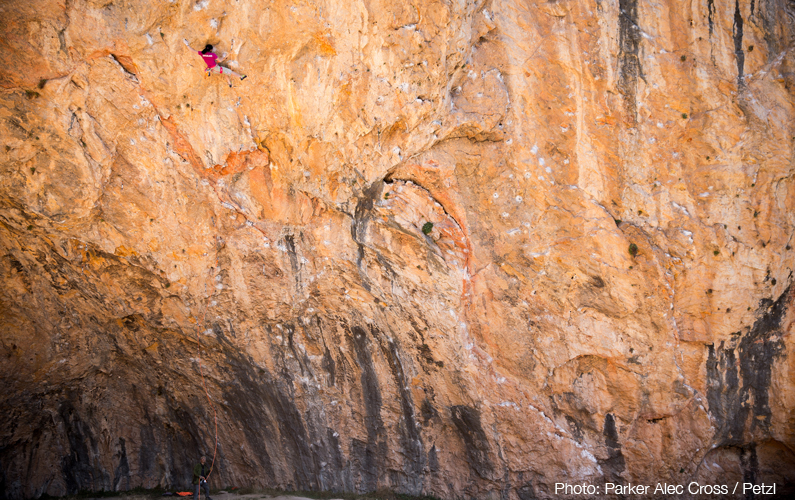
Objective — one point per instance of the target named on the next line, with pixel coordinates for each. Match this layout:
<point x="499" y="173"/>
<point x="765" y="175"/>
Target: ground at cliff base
<point x="253" y="494"/>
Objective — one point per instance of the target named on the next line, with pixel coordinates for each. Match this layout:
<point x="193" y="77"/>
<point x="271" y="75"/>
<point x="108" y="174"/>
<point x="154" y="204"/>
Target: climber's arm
<point x="188" y="45"/>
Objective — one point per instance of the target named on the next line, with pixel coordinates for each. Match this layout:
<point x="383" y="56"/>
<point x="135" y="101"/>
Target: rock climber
<point x="211" y="60"/>
<point x="200" y="480"/>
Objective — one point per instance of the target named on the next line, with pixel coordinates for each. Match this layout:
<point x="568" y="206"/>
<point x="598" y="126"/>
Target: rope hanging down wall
<point x="199" y="329"/>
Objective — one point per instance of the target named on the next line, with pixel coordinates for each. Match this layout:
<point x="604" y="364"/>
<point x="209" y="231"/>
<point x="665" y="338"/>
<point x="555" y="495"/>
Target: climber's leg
<point x="226" y="71"/>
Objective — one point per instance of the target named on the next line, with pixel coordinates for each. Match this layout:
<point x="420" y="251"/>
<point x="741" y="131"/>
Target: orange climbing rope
<point x="199" y="329"/>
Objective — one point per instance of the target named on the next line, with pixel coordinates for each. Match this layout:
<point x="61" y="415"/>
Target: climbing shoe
<point x="243" y="77"/>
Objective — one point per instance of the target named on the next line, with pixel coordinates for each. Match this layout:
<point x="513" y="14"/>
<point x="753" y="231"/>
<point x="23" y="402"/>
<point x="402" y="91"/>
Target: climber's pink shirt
<point x="209" y="59"/>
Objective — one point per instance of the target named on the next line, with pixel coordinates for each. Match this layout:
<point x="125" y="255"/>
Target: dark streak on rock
<point x="337" y="461"/>
<point x="574" y="428"/>
<point x="426" y="354"/>
<point x="614" y="464"/>
<point x="428" y="412"/>
<point x="411" y="440"/>
<point x="467" y="421"/>
<point x="147" y="454"/>
<point x="771" y="13"/>
<point x="80" y="472"/>
<point x="749" y="463"/>
<point x="597" y="282"/>
<point x="628" y="61"/>
<point x="737" y="32"/>
<point x="738" y="377"/>
<point x="260" y="407"/>
<point x="184" y="435"/>
<point x="433" y="460"/>
<point x="361" y="219"/>
<point x="300" y="357"/>
<point x="289" y="242"/>
<point x="370" y="454"/>
<point x="17" y="266"/>
<point x="526" y="492"/>
<point x="710" y="15"/>
<point x="363" y="208"/>
<point x="387" y="267"/>
<point x="723" y="390"/>
<point x="122" y="471"/>
<point x="62" y="41"/>
<point x="4" y="491"/>
<point x="329" y="366"/>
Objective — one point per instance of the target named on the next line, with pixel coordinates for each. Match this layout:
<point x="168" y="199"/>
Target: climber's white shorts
<point x="221" y="70"/>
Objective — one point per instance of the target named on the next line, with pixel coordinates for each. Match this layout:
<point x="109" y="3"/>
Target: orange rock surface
<point x="468" y="249"/>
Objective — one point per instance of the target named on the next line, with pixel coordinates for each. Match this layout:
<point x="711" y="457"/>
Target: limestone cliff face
<point x="514" y="342"/>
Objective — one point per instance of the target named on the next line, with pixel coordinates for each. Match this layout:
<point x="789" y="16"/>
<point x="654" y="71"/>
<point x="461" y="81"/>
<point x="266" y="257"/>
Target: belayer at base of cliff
<point x="200" y="474"/>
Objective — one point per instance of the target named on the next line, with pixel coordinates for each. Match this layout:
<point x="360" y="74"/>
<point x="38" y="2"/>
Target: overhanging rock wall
<point x="468" y="249"/>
